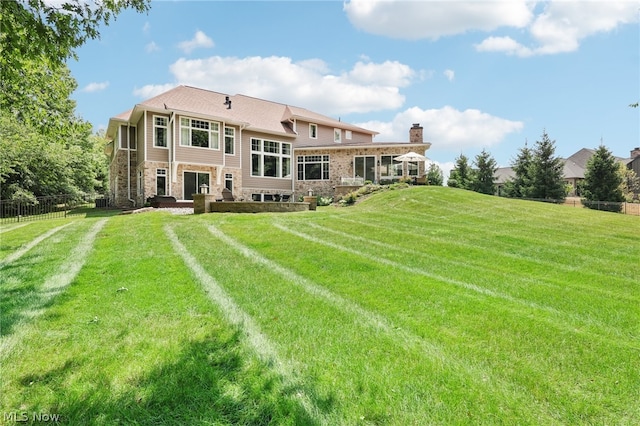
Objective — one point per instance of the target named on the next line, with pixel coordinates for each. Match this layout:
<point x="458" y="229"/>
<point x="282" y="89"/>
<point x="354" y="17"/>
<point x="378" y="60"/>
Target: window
<point x="228" y="181"/>
<point x="412" y="168"/>
<point x="270" y="158"/>
<point x="313" y="167"/>
<point x="160" y="131"/>
<point x="161" y="181"/>
<point x="313" y="131"/>
<point x="140" y="182"/>
<point x="389" y="168"/>
<point x="199" y="133"/>
<point x="337" y="135"/>
<point x="229" y="140"/>
<point x="192" y="182"/>
<point x="348" y="135"/>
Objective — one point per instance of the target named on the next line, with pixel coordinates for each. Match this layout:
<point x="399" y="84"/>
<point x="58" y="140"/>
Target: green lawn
<point x="425" y="305"/>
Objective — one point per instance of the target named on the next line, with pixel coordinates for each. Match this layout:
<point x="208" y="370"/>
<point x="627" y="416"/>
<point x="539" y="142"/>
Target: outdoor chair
<point x="227" y="195"/>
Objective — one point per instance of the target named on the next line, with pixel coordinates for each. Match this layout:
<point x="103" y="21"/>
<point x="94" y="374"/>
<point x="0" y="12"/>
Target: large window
<point x="313" y="167"/>
<point x="270" y="158"/>
<point x="199" y="133"/>
<point x="229" y="140"/>
<point x="160" y="131"/>
<point x="388" y="168"/>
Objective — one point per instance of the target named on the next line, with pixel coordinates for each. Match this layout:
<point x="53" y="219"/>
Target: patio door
<point x="192" y="182"/>
<point x="365" y="167"/>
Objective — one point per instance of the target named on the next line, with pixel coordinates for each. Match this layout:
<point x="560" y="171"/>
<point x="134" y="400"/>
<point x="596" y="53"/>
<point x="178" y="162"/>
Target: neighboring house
<point x="187" y="137"/>
<point x="573" y="170"/>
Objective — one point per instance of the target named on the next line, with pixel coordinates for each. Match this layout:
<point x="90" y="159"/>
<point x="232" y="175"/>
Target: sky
<point x="475" y="74"/>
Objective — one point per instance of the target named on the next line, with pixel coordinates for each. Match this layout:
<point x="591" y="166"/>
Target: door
<point x="365" y="167"/>
<point x="192" y="182"/>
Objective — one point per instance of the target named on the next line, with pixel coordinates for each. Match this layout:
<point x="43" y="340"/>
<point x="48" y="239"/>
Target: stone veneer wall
<point x="118" y="190"/>
<point x="175" y="188"/>
<point x="340" y="166"/>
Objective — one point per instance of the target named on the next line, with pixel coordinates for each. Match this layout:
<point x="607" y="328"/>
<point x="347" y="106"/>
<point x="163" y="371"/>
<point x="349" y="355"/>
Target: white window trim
<point x="166" y="127"/>
<point x="279" y="154"/>
<point x="313" y="134"/>
<point x="337" y="135"/>
<point x="212" y="124"/>
<point x="348" y="135"/>
<point x="230" y="136"/>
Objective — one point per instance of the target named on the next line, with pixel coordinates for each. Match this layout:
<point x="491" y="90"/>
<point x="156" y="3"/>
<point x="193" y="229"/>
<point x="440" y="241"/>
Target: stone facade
<point x="118" y="181"/>
<point x="341" y="166"/>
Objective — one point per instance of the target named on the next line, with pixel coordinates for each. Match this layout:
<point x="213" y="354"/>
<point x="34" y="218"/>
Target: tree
<point x="44" y="148"/>
<point x="435" y="175"/>
<point x="546" y="172"/>
<point x="630" y="183"/>
<point x="602" y="179"/>
<point x="50" y="31"/>
<point x="521" y="183"/>
<point x="461" y="175"/>
<point x="484" y="174"/>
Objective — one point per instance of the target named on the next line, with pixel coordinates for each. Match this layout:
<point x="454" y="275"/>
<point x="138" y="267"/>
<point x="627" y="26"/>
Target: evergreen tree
<point x="546" y="172"/>
<point x="434" y="175"/>
<point x="520" y="185"/>
<point x="483" y="177"/>
<point x="602" y="179"/>
<point x="461" y="175"/>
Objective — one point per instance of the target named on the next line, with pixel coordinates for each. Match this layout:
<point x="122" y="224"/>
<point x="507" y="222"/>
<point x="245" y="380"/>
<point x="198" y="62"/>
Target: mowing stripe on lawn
<point x="239" y="318"/>
<point x="538" y="281"/>
<point x="19" y="253"/>
<point x="55" y="284"/>
<point x="623" y="341"/>
<point x="11" y="228"/>
<point x="375" y="321"/>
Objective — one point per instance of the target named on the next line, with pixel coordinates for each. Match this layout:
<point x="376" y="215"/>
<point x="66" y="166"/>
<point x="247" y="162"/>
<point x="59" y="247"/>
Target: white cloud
<point x="447" y="128"/>
<point x="152" y="47"/>
<point x="434" y="19"/>
<point x="366" y="87"/>
<point x="151" y="90"/>
<point x="450" y="74"/>
<point x="549" y="27"/>
<point x="146" y="27"/>
<point x="95" y="87"/>
<point x="561" y="26"/>
<point x="199" y="40"/>
<point x="389" y="73"/>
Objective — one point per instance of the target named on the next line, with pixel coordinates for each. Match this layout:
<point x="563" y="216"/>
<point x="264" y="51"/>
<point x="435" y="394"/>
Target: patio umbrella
<point x="410" y="156"/>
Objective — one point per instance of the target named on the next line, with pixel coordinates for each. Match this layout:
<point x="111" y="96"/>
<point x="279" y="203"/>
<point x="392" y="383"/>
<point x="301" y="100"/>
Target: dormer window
<point x="313" y="131"/>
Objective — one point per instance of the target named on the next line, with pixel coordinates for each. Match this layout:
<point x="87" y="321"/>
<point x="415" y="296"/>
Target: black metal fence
<point x="48" y="207"/>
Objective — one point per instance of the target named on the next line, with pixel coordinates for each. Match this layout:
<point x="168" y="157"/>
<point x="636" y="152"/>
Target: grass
<point x="419" y="306"/>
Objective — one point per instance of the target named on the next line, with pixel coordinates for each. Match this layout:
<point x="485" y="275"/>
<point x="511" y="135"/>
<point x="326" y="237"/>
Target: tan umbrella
<point x="410" y="156"/>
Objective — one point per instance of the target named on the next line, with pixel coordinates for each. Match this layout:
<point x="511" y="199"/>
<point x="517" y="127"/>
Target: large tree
<point x="519" y="186"/>
<point x="462" y="174"/>
<point x="45" y="148"/>
<point x="602" y="179"/>
<point x="484" y="174"/>
<point x="52" y="30"/>
<point x="546" y="172"/>
<point x="434" y="175"/>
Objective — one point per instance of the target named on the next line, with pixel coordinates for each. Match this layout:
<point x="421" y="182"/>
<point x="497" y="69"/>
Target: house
<point x="573" y="169"/>
<point x="181" y="140"/>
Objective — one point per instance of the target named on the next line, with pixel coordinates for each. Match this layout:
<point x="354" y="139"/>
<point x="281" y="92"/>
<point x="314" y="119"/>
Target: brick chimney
<point x="415" y="134"/>
<point x="635" y="152"/>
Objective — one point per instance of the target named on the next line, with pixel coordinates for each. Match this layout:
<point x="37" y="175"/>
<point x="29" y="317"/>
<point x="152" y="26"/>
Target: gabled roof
<point x="248" y="112"/>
